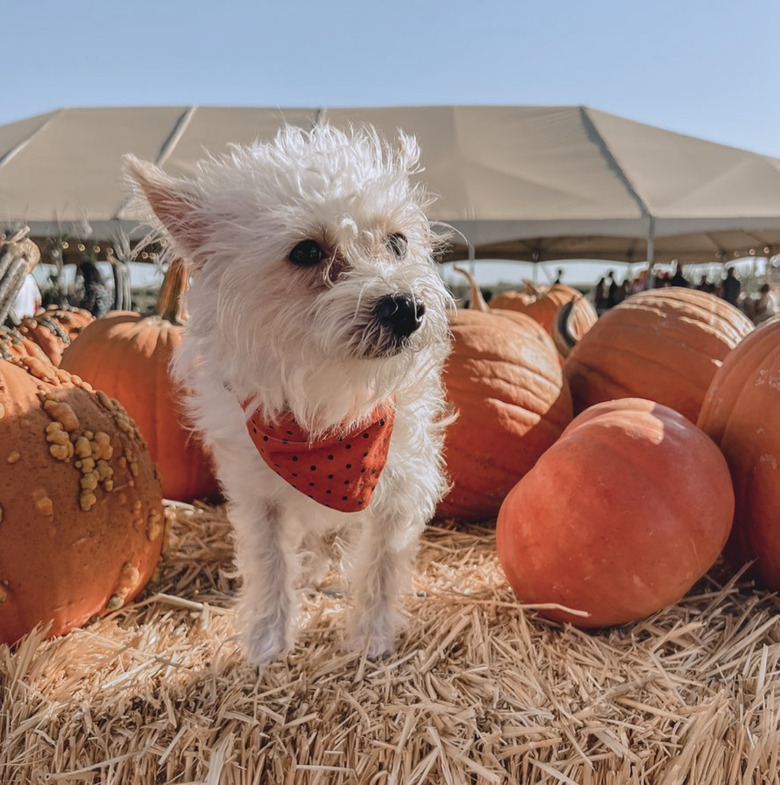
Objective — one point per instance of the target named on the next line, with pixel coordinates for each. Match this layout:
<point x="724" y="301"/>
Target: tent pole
<point x="651" y="252"/>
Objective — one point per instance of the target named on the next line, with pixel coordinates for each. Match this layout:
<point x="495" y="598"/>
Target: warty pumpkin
<point x="127" y="355"/>
<point x="619" y="518"/>
<point x="82" y="524"/>
<point x="55" y="328"/>
<point x="661" y="344"/>
<point x="504" y="381"/>
<point x="740" y="413"/>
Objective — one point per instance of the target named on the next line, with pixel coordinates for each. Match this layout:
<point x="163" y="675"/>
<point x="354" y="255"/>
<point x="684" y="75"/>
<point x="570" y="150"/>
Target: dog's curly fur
<point x="307" y="340"/>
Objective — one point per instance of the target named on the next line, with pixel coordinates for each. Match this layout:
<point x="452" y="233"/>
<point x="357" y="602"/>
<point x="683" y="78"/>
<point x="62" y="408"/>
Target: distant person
<point x="615" y="291"/>
<point x="600" y="296"/>
<point x="731" y="287"/>
<point x="558" y="276"/>
<point x="678" y="279"/>
<point x="766" y="305"/>
<point x="96" y="297"/>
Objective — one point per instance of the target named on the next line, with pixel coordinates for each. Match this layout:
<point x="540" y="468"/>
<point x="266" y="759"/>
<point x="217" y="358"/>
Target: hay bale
<point x="479" y="691"/>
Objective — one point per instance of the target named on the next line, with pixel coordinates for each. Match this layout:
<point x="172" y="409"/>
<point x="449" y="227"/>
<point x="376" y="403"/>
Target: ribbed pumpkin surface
<point x="504" y="380"/>
<point x="740" y="413"/>
<point x="662" y="344"/>
<point x="127" y="356"/>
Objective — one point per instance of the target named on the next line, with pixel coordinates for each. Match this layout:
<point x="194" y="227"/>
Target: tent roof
<point x="520" y="182"/>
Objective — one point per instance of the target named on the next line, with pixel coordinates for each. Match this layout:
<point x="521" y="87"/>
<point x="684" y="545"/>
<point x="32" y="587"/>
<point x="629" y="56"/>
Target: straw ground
<point x="480" y="690"/>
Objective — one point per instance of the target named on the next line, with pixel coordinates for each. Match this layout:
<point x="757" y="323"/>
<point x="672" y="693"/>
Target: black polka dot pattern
<point x="318" y="469"/>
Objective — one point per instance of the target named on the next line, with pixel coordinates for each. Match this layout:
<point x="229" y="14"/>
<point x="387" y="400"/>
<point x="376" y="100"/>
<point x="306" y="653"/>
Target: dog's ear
<point x="175" y="203"/>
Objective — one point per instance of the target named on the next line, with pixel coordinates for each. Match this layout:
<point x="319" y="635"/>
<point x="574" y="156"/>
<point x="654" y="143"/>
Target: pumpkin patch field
<point x="595" y="601"/>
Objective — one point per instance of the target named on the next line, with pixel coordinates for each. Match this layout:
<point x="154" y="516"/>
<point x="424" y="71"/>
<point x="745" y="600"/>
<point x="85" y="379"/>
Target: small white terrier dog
<point x="312" y="357"/>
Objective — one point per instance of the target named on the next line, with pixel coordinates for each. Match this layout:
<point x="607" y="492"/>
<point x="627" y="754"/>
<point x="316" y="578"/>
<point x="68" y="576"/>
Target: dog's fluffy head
<point x="313" y="286"/>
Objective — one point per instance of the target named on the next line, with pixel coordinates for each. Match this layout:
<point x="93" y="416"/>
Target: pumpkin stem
<point x="531" y="288"/>
<point x="170" y="302"/>
<point x="562" y="334"/>
<point x="476" y="301"/>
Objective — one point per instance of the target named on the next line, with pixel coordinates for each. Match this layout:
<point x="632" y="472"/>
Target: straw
<point x="479" y="690"/>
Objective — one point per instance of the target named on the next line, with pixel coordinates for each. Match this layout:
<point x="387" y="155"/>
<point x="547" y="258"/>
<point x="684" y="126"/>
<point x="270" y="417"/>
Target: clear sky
<point x="709" y="68"/>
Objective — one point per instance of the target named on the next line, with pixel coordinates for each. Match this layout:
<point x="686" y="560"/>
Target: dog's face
<point x="312" y="265"/>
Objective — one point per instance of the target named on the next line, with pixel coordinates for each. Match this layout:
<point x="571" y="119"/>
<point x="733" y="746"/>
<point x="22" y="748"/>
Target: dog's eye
<point x="397" y="244"/>
<point x="307" y="254"/>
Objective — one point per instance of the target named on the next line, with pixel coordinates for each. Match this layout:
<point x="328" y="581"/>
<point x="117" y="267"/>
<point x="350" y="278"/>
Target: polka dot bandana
<point x="340" y="470"/>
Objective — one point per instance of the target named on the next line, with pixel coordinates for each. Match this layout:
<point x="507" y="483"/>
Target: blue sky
<point x="708" y="68"/>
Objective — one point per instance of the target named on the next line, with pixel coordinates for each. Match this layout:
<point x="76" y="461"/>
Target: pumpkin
<point x="55" y="328"/>
<point x="504" y="381"/>
<point x="543" y="305"/>
<point x="14" y="345"/>
<point x="619" y="518"/>
<point x="661" y="344"/>
<point x="127" y="355"/>
<point x="740" y="413"/>
<point x="82" y="525"/>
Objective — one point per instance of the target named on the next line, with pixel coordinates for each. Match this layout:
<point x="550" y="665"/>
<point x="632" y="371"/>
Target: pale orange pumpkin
<point x="128" y="355"/>
<point x="661" y="344"/>
<point x="544" y="304"/>
<point x="619" y="518"/>
<point x="740" y="413"/>
<point x="82" y="524"/>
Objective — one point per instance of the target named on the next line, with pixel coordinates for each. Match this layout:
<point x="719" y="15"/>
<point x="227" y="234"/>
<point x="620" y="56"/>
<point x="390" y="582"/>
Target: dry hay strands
<point x="480" y="690"/>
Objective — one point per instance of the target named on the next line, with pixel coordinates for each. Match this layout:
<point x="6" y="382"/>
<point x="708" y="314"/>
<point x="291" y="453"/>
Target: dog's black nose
<point x="400" y="312"/>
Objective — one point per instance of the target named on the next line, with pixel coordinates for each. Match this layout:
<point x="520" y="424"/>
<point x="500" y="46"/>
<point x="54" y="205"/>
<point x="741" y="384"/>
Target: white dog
<point x="313" y="354"/>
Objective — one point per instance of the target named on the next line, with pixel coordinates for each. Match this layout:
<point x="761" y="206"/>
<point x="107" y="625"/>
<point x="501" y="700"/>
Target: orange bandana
<point x="339" y="470"/>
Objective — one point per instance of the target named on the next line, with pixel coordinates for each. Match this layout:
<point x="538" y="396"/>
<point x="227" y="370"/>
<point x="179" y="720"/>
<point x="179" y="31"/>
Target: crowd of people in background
<point x="608" y="292"/>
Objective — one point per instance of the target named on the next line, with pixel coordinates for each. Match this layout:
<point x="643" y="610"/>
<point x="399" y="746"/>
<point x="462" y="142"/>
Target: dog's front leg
<point x="380" y="562"/>
<point x="266" y="543"/>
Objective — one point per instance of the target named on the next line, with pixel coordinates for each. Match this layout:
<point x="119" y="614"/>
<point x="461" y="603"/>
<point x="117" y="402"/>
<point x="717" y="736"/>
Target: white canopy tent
<point x="518" y="182"/>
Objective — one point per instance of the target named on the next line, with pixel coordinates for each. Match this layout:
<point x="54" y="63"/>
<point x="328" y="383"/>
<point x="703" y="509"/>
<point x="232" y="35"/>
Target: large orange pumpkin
<point x="127" y="355"/>
<point x="619" y="518"/>
<point x="740" y="412"/>
<point x="82" y="524"/>
<point x="504" y="380"/>
<point x="662" y="344"/>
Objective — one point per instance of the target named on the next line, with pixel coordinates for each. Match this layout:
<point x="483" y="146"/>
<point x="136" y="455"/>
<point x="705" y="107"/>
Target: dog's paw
<point x="380" y="646"/>
<point x="265" y="642"/>
<point x="375" y="634"/>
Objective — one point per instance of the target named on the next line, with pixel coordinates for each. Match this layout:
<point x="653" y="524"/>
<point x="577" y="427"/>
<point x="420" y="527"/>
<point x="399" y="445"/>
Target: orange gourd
<point x="661" y="344"/>
<point x="82" y="525"/>
<point x="740" y="413"/>
<point x="14" y="345"/>
<point x="504" y="381"/>
<point x="619" y="518"/>
<point x="127" y="355"/>
<point x="55" y="328"/>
